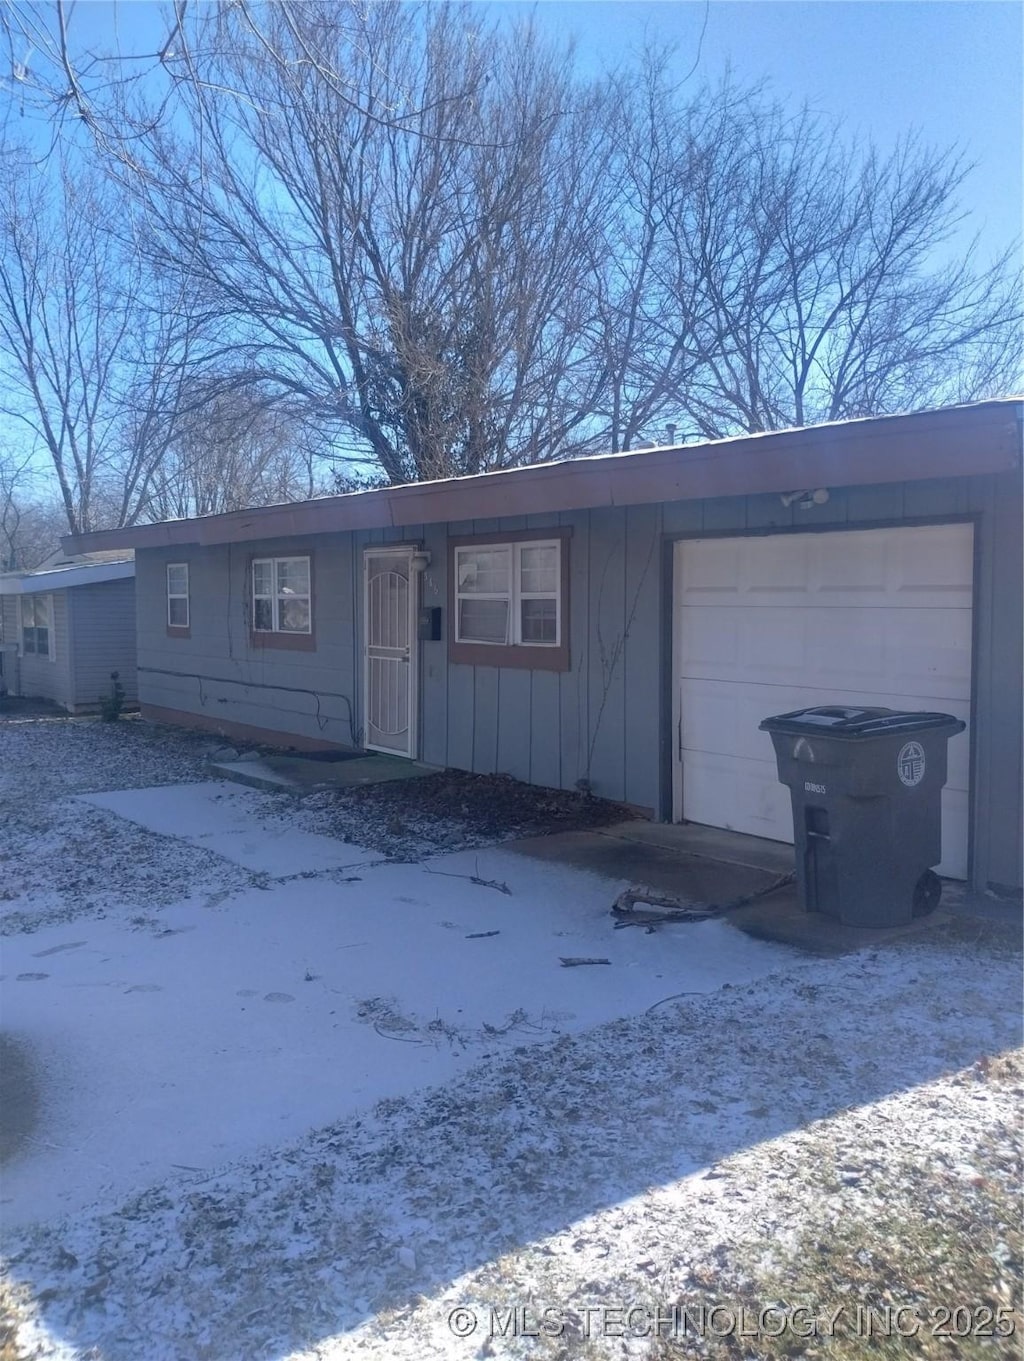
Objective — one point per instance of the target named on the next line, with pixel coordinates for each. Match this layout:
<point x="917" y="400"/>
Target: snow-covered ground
<point x="298" y="1100"/>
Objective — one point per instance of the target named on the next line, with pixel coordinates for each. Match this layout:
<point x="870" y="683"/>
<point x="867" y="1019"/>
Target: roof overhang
<point x="953" y="442"/>
<point x="63" y="578"/>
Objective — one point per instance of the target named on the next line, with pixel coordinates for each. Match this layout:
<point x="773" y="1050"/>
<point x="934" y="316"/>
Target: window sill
<point x="291" y="642"/>
<point x="519" y="656"/>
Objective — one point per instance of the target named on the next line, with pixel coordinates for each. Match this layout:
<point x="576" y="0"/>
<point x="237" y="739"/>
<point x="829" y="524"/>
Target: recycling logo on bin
<point x="910" y="764"/>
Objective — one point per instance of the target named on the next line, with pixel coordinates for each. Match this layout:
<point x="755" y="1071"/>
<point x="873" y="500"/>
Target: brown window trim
<point x="522" y="656"/>
<point x="269" y="638"/>
<point x="179" y="631"/>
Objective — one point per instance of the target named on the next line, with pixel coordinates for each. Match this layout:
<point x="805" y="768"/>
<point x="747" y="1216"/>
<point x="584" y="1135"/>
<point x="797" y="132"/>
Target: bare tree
<point x="778" y="276"/>
<point x="234" y="451"/>
<point x="411" y="266"/>
<point x="432" y="242"/>
<point x="93" y="348"/>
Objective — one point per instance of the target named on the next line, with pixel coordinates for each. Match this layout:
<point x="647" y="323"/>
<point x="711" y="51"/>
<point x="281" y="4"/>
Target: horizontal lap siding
<point x="102" y="624"/>
<point x="41" y="677"/>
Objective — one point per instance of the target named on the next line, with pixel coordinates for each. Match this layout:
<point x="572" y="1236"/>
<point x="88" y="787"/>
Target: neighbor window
<point x="509" y="594"/>
<point x="177" y="595"/>
<point x="281" y="601"/>
<point x="37" y="625"/>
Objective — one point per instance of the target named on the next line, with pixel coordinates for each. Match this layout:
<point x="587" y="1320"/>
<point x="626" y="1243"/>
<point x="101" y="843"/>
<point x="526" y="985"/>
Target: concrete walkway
<point x="705" y="865"/>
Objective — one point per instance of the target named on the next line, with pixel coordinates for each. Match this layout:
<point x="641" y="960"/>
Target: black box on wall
<point x="429" y="624"/>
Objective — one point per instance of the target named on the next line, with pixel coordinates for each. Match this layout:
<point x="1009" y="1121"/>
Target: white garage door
<point x="766" y="625"/>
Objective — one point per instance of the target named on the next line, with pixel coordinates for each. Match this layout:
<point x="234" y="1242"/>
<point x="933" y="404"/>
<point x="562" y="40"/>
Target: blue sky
<point x="953" y="69"/>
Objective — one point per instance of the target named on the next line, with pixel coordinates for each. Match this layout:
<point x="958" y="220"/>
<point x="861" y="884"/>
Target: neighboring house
<point x="622" y="623"/>
<point x="66" y="626"/>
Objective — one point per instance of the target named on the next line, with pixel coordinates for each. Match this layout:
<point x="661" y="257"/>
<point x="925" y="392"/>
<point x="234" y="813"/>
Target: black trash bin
<point x="866" y="786"/>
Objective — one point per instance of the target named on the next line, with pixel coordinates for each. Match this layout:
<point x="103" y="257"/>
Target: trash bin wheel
<point x="927" y="892"/>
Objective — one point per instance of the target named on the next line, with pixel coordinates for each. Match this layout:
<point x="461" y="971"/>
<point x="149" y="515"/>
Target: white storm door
<point x="389" y="676"/>
<point x="765" y="625"/>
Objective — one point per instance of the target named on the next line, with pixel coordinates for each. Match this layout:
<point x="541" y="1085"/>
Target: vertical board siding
<point x="998" y="812"/>
<point x="434" y="655"/>
<point x="103" y="637"/>
<point x="604" y="765"/>
<point x="546" y="765"/>
<point x="645" y="656"/>
<point x="603" y="719"/>
<point x="216" y="672"/>
<point x="515" y="724"/>
<point x="485" y="719"/>
<point x="568" y="707"/>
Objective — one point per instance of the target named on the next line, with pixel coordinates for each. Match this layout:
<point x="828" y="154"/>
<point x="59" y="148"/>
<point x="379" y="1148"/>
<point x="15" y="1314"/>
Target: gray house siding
<point x="605" y="720"/>
<point x="41" y="677"/>
<point x="102" y="629"/>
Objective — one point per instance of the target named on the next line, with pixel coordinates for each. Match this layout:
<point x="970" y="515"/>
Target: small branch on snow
<point x="474" y="879"/>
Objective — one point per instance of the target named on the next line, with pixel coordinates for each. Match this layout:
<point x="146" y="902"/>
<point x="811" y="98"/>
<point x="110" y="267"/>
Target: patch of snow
<point x="629" y="1164"/>
<point x="236" y="1021"/>
<point x="248" y="828"/>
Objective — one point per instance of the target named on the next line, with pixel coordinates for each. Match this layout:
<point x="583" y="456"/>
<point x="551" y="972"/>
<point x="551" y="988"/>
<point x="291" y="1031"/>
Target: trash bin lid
<point x="832" y="721"/>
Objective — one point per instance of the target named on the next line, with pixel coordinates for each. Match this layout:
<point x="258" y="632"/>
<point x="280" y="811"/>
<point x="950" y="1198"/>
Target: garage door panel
<point x="929" y="652"/>
<point x="935" y="562"/>
<point x="926" y="652"/>
<point x="882" y="618"/>
<point x="775" y="568"/>
<point x="724" y="718"/>
<point x="735" y="794"/>
<point x="954" y="834"/>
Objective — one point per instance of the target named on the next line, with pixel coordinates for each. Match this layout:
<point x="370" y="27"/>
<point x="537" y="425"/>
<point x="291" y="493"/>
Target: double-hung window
<point x="37" y="626"/>
<point x="281" y="597"/>
<point x="509" y="594"/>
<point x="177" y="595"/>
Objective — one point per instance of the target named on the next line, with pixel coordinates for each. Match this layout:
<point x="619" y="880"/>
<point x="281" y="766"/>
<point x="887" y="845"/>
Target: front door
<point x="389" y="652"/>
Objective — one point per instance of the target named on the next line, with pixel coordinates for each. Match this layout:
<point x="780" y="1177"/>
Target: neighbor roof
<point x="951" y="442"/>
<point x="61" y="571"/>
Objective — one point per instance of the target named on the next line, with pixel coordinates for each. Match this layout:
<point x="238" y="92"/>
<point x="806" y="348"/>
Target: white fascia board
<point x="61" y="578"/>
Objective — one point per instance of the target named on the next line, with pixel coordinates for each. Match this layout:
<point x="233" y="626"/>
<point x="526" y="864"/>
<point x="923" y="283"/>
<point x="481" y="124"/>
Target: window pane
<point x="177" y="580"/>
<point x="177" y="612"/>
<point x="539" y="621"/>
<point x="483" y="621"/>
<point x="263" y="615"/>
<point x="484" y="570"/>
<point x="28" y="640"/>
<point x="262" y="578"/>
<point x="293" y="576"/>
<point x="538" y="570"/>
<point x="43" y="642"/>
<point x="294" y="615"/>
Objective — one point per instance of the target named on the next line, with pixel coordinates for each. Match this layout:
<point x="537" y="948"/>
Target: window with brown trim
<point x="508" y="600"/>
<point x="281" y="602"/>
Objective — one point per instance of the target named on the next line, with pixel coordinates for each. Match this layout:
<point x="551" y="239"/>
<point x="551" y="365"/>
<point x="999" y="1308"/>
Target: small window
<point x="281" y="601"/>
<point x="177" y="595"/>
<point x="509" y="594"/>
<point x="37" y="626"/>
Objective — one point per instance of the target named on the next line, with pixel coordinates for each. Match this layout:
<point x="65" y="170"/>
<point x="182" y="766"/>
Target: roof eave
<point x="953" y="442"/>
